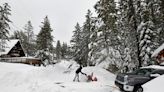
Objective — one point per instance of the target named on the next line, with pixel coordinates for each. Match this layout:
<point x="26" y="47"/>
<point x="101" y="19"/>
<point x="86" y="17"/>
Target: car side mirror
<point x="154" y="75"/>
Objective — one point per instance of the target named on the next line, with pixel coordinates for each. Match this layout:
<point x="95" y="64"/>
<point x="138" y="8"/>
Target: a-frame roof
<point x="7" y="45"/>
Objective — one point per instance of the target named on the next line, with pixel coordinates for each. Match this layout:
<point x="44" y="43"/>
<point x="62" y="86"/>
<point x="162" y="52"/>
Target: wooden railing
<point x="13" y="60"/>
<point x="24" y="60"/>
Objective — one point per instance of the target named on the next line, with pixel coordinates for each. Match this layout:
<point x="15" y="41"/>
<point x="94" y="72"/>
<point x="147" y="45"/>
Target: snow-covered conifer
<point x="45" y="39"/>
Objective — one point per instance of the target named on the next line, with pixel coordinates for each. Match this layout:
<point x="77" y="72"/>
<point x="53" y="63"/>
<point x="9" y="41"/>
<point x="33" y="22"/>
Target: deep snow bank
<point x="57" y="78"/>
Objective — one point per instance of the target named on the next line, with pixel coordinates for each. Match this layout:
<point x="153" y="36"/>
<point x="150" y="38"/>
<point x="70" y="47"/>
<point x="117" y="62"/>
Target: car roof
<point x="154" y="67"/>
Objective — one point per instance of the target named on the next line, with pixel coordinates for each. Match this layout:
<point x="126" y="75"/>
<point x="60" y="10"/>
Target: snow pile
<point x="57" y="78"/>
<point x="155" y="85"/>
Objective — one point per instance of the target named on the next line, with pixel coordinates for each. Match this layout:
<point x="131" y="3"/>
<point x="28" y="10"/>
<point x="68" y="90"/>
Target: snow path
<point x="57" y="78"/>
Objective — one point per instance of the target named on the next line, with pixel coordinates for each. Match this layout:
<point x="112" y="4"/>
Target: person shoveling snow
<point x="77" y="74"/>
<point x="89" y="77"/>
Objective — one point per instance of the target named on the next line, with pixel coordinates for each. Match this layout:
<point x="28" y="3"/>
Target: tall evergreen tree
<point x="133" y="23"/>
<point x="82" y="39"/>
<point x="159" y="17"/>
<point x="76" y="42"/>
<point x="4" y="20"/>
<point x="45" y="39"/>
<point x="108" y="38"/>
<point x="94" y="45"/>
<point x="106" y="10"/>
<point x="64" y="51"/>
<point x="29" y="31"/>
<point x="147" y="33"/>
<point x="86" y="33"/>
<point x="58" y="50"/>
<point x="30" y="46"/>
<point x="123" y="36"/>
<point x="23" y="38"/>
<point x="4" y="24"/>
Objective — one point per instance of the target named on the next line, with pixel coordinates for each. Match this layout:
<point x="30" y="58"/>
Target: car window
<point x="158" y="72"/>
<point x="144" y="71"/>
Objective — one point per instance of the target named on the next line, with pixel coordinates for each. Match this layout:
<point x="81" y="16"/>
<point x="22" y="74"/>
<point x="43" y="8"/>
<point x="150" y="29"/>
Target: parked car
<point x="131" y="82"/>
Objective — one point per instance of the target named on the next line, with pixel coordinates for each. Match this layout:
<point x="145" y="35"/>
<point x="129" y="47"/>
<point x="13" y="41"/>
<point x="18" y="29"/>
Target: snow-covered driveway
<point x="57" y="78"/>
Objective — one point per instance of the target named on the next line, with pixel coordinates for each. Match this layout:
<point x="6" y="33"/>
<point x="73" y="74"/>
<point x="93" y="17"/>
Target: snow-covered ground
<point x="56" y="78"/>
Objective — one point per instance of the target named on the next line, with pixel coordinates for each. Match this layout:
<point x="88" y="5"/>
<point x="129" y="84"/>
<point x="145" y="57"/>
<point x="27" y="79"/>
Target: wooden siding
<point x="16" y="51"/>
<point x="160" y="57"/>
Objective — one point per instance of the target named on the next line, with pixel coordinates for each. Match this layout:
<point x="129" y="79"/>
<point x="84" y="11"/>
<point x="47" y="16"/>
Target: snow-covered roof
<point x="8" y="45"/>
<point x="156" y="52"/>
<point x="155" y="67"/>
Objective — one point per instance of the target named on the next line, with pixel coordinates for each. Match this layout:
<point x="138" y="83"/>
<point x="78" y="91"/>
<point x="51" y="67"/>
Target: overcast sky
<point x="63" y="14"/>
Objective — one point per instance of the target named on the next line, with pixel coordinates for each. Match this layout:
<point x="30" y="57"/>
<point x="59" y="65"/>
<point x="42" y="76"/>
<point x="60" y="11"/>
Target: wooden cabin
<point x="11" y="48"/>
<point x="13" y="52"/>
<point x="159" y="54"/>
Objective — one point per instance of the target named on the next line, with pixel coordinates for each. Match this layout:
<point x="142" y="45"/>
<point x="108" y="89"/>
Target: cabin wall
<point x="160" y="57"/>
<point x="16" y="51"/>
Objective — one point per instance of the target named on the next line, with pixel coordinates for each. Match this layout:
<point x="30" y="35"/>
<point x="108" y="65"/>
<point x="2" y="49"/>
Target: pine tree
<point x="94" y="45"/>
<point x="23" y="38"/>
<point x="108" y="38"/>
<point x="30" y="46"/>
<point x="4" y="21"/>
<point x="4" y="24"/>
<point x="29" y="31"/>
<point x="86" y="33"/>
<point x="44" y="40"/>
<point x="147" y="33"/>
<point x="58" y="50"/>
<point x="82" y="39"/>
<point x="133" y="22"/>
<point x="159" y="17"/>
<point x="134" y="29"/>
<point x="76" y="42"/>
<point x="123" y="36"/>
<point x="64" y="51"/>
<point x="137" y="18"/>
<point x="106" y="10"/>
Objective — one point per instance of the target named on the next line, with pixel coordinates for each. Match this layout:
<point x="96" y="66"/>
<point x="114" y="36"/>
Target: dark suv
<point x="131" y="82"/>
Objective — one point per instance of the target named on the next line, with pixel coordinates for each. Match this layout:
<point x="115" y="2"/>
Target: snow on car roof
<point x="155" y="67"/>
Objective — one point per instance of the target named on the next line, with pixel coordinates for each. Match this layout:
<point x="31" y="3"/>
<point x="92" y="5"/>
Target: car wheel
<point x="138" y="89"/>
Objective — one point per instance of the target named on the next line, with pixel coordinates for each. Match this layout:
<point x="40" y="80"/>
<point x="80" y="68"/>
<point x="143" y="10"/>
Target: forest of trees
<point x="123" y="34"/>
<point x="37" y="45"/>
